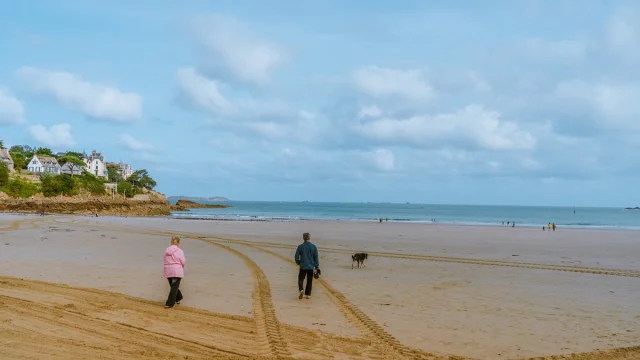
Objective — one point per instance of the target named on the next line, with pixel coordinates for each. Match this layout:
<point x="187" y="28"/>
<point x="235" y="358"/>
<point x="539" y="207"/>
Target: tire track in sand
<point x="267" y="325"/>
<point x="460" y="260"/>
<point x="388" y="344"/>
<point x="617" y="354"/>
<point x="434" y="258"/>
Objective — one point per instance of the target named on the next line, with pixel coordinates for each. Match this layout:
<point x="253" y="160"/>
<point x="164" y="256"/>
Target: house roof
<point x="46" y="160"/>
<point x="67" y="166"/>
<point x="4" y="155"/>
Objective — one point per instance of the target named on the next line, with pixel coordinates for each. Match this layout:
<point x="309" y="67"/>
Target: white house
<point x="95" y="164"/>
<point x="125" y="170"/>
<point x="44" y="164"/>
<point x="71" y="169"/>
<point x="6" y="157"/>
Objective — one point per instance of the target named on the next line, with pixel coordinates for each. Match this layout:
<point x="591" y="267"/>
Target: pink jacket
<point x="174" y="261"/>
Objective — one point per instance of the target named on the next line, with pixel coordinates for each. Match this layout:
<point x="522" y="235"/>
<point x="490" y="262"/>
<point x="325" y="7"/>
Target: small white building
<point x="6" y="157"/>
<point x="71" y="169"/>
<point x="44" y="164"/>
<point x="125" y="170"/>
<point x="95" y="164"/>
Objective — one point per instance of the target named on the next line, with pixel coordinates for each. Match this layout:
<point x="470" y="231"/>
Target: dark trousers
<point x="174" y="294"/>
<point x="309" y="275"/>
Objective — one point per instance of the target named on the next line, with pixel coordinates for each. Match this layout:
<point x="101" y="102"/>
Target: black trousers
<point x="309" y="275"/>
<point x="174" y="294"/>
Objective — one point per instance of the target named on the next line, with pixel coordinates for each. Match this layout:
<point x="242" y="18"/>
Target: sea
<point x="580" y="217"/>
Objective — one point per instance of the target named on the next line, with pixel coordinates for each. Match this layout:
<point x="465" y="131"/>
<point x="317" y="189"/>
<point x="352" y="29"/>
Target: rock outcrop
<point x="155" y="207"/>
<point x="188" y="204"/>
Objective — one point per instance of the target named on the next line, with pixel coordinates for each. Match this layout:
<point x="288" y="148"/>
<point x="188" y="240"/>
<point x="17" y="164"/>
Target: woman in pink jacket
<point x="174" y="261"/>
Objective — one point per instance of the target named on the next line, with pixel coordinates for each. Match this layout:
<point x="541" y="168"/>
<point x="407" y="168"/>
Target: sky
<point x="467" y="102"/>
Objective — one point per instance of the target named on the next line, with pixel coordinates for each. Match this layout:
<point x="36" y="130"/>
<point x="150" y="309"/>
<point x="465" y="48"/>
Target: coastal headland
<point x="86" y="287"/>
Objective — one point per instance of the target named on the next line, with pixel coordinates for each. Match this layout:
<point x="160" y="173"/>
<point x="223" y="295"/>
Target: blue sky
<point x="466" y="102"/>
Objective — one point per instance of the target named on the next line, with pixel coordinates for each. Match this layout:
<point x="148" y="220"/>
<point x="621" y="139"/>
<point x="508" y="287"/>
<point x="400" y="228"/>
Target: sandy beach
<point x="75" y="287"/>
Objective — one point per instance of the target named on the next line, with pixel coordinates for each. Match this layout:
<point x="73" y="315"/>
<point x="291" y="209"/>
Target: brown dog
<point x="359" y="258"/>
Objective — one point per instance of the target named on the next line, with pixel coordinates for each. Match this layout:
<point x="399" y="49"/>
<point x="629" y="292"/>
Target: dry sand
<point x="428" y="291"/>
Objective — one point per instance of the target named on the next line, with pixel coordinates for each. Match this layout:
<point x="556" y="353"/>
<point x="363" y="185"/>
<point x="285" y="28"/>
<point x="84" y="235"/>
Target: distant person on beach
<point x="308" y="260"/>
<point x="513" y="224"/>
<point x="553" y="225"/>
<point x="174" y="261"/>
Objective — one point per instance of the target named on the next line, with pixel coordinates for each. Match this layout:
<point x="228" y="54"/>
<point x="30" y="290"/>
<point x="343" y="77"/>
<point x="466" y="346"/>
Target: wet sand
<point x="428" y="291"/>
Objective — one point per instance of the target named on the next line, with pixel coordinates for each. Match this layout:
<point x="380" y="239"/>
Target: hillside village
<point x="38" y="171"/>
<point x="94" y="164"/>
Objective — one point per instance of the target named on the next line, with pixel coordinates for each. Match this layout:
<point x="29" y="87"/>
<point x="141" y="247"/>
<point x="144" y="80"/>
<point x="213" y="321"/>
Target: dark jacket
<point x="307" y="256"/>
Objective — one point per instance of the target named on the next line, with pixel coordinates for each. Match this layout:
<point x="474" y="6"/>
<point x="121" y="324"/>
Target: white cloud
<point x="616" y="104"/>
<point x="131" y="143"/>
<point x="480" y="84"/>
<point x="622" y="29"/>
<point x="264" y="116"/>
<point x="473" y="124"/>
<point x="289" y="153"/>
<point x="95" y="100"/>
<point x="369" y="111"/>
<point x="237" y="49"/>
<point x="202" y="92"/>
<point x="382" y="82"/>
<point x="56" y="135"/>
<point x="384" y="159"/>
<point x="11" y="109"/>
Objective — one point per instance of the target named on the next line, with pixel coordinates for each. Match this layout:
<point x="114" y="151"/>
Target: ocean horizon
<point x="529" y="216"/>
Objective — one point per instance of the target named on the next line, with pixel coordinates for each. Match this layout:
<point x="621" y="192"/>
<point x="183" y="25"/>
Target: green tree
<point x="25" y="149"/>
<point x="54" y="185"/>
<point x="4" y="173"/>
<point x="141" y="178"/>
<point x="44" y="152"/>
<point x="91" y="183"/>
<point x="19" y="162"/>
<point x="1" y="144"/>
<point x="74" y="153"/>
<point x="72" y="162"/>
<point x="126" y="188"/>
<point x="113" y="172"/>
<point x="22" y="152"/>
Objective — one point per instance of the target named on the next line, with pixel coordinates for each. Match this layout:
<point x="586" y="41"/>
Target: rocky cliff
<point x="101" y="206"/>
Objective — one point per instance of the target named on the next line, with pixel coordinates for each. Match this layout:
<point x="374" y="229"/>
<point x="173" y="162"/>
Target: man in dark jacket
<point x="307" y="259"/>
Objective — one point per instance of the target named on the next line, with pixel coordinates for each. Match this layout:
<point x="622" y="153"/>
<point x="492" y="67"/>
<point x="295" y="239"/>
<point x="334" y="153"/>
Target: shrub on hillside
<point x="4" y="173"/>
<point x="125" y="188"/>
<point x="20" y="189"/>
<point x="54" y="185"/>
<point x="90" y="183"/>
